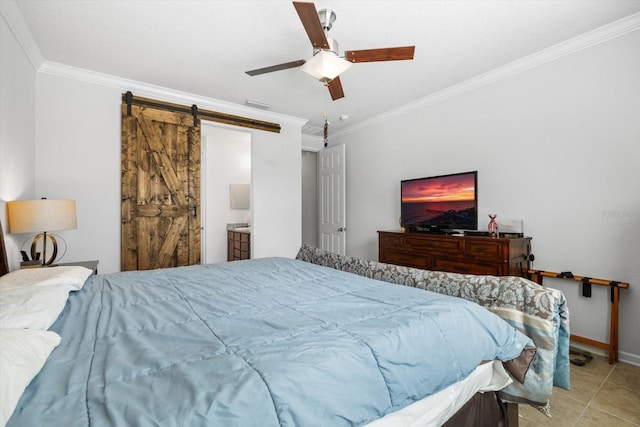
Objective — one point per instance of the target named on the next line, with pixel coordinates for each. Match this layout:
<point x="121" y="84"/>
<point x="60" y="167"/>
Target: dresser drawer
<point x="466" y="267"/>
<point x="451" y="246"/>
<point x="391" y="240"/>
<point x="485" y="249"/>
<point x="404" y="258"/>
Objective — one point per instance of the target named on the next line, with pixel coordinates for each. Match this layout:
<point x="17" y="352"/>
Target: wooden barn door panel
<point x="160" y="189"/>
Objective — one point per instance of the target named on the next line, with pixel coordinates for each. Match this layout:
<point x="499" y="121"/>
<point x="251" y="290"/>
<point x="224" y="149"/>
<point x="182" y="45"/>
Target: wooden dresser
<point x="238" y="245"/>
<point x="458" y="254"/>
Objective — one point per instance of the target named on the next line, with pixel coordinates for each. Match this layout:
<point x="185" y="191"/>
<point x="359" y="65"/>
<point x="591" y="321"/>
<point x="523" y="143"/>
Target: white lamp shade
<point x="325" y="66"/>
<point x="36" y="216"/>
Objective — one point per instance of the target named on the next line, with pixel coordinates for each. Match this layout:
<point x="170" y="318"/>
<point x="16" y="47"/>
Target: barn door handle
<point x="195" y="211"/>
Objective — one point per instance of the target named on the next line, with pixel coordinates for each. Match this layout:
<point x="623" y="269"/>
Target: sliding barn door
<point x="160" y="188"/>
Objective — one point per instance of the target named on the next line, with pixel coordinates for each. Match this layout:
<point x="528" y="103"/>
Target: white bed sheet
<point x="435" y="410"/>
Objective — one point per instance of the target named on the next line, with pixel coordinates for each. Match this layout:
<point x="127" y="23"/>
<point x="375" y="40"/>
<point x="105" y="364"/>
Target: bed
<point x="276" y="341"/>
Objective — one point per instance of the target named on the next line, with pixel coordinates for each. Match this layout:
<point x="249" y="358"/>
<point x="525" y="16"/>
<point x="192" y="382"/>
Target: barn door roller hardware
<point x="198" y="113"/>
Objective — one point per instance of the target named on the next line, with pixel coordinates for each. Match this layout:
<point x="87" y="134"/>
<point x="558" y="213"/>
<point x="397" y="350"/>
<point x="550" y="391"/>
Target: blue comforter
<point x="255" y="343"/>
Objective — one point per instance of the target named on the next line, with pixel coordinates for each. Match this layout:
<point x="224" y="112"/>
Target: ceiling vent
<point x="257" y="104"/>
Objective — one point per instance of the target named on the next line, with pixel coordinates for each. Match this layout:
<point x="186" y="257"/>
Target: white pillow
<point x="43" y="276"/>
<point x="22" y="354"/>
<point x="32" y="307"/>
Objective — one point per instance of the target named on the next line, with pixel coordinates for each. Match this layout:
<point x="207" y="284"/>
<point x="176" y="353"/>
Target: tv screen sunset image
<point x="447" y="201"/>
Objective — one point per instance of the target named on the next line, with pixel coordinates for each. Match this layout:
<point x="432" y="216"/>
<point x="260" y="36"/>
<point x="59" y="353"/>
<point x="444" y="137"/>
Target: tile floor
<point x="601" y="395"/>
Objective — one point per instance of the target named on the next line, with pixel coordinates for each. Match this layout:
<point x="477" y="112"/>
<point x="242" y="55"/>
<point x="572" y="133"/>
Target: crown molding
<point x="599" y="35"/>
<point x="15" y="21"/>
<point x="17" y="25"/>
<point x="166" y="94"/>
<point x="12" y="15"/>
<point x="312" y="142"/>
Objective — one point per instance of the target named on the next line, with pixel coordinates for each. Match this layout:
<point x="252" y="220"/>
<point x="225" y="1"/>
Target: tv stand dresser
<point x="501" y="256"/>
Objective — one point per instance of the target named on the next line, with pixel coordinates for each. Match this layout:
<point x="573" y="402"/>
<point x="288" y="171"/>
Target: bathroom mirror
<point x="239" y="195"/>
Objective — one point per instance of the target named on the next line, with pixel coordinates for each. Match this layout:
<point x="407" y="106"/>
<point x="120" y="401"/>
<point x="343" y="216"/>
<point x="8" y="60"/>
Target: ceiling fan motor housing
<point x="327" y="18"/>
<point x="333" y="47"/>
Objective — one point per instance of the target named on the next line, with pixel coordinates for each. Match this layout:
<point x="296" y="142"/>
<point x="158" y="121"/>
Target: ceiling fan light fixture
<point x="325" y="66"/>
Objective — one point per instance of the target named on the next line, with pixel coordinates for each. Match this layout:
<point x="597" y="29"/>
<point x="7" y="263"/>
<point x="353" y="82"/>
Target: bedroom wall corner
<point x="17" y="132"/>
<point x="276" y="162"/>
<point x="556" y="145"/>
<point x="78" y="156"/>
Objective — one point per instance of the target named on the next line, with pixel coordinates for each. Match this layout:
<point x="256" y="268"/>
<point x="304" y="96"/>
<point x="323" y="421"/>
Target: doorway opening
<point x="310" y="198"/>
<point x="226" y="162"/>
<point x="324" y="199"/>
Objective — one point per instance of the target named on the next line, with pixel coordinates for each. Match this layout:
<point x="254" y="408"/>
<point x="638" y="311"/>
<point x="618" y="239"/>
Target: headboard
<point x="4" y="265"/>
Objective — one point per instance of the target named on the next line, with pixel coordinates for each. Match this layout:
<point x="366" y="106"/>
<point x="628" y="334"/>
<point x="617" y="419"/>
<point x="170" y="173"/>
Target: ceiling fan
<point x="326" y="64"/>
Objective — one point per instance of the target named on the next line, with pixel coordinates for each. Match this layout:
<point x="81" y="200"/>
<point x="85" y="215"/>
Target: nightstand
<point x="91" y="265"/>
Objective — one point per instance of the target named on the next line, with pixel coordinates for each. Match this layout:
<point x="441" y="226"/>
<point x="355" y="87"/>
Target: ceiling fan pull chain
<point x="326" y="130"/>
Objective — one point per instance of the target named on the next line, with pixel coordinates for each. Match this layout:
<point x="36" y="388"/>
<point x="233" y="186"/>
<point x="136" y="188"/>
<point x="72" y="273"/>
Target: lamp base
<point x="48" y="248"/>
<point x="36" y="264"/>
<point x="31" y="264"/>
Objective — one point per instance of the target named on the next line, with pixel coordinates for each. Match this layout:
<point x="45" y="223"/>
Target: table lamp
<point x="42" y="216"/>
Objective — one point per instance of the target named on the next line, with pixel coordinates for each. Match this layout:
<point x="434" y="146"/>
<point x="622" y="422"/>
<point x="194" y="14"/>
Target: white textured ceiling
<point x="205" y="46"/>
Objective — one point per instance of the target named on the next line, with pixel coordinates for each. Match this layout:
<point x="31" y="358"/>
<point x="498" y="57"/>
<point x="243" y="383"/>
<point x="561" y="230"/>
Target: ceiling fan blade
<point x="384" y="54"/>
<point x="278" y="67"/>
<point x="335" y="88"/>
<point x="311" y="22"/>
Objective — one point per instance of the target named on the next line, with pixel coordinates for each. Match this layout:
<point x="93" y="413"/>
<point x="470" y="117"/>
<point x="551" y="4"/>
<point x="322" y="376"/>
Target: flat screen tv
<point x="440" y="203"/>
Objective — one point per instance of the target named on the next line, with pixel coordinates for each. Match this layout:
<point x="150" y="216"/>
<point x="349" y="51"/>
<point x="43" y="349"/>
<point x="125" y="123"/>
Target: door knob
<point x="342" y="229"/>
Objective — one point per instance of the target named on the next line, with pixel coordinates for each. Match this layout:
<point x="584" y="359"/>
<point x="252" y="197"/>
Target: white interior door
<point x="332" y="210"/>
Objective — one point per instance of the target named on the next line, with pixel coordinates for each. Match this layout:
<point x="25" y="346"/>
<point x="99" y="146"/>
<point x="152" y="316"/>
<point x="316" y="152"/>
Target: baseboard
<point x="632" y="359"/>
